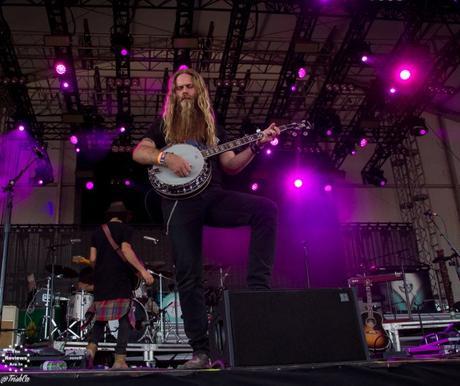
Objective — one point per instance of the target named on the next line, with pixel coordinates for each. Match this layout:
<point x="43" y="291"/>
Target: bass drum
<point x="141" y="326"/>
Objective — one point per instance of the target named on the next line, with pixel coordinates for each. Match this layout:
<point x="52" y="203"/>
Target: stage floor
<point x="443" y="372"/>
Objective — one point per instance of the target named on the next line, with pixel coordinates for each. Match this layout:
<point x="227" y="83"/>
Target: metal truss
<point x="183" y="28"/>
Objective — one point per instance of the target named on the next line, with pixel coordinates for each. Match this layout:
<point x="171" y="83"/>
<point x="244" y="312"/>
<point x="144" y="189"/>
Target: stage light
<point x="301" y="72"/>
<point x="127" y="182"/>
<point x="268" y="152"/>
<point x="65" y="85"/>
<point x="40" y="182"/>
<point x="328" y="132"/>
<point x="183" y="67"/>
<point x="21" y="127"/>
<point x="122" y="129"/>
<point x="364" y="58"/>
<point x="89" y="185"/>
<point x="374" y="177"/>
<point x="293" y="88"/>
<point x="328" y="188"/>
<point x="274" y="142"/>
<point x="392" y="90"/>
<point x="298" y="183"/>
<point x="405" y="74"/>
<point x="417" y="127"/>
<point x="77" y="150"/>
<point x="124" y="51"/>
<point x="73" y="139"/>
<point x="353" y="151"/>
<point x="363" y="142"/>
<point x="60" y="68"/>
<point x="254" y="186"/>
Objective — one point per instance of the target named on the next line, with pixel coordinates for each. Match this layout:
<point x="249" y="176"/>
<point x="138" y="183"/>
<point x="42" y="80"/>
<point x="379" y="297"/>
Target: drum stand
<point x="48" y="323"/>
<point x="176" y="324"/>
<point x="80" y="321"/>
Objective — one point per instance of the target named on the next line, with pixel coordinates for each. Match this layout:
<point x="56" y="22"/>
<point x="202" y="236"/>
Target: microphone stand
<point x="9" y="189"/>
<point x="307" y="270"/>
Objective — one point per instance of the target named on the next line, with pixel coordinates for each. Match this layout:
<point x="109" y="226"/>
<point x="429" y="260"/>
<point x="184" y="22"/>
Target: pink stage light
<point x="21" y="127"/>
<point x="329" y="132"/>
<point x="328" y="188"/>
<point x="122" y="129"/>
<point x="405" y="74"/>
<point x="364" y="58"/>
<point x="127" y="182"/>
<point x="298" y="183"/>
<point x="353" y="152"/>
<point x="73" y="139"/>
<point x="363" y="142"/>
<point x="392" y="90"/>
<point x="89" y="185"/>
<point x="60" y="68"/>
<point x="40" y="182"/>
<point x="268" y="151"/>
<point x="301" y="72"/>
<point x="183" y="67"/>
<point x="254" y="186"/>
<point x="65" y="84"/>
<point x="293" y="88"/>
<point x="77" y="149"/>
<point x="124" y="52"/>
<point x="422" y="131"/>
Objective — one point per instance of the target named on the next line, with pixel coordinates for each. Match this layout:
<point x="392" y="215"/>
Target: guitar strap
<point x="112" y="242"/>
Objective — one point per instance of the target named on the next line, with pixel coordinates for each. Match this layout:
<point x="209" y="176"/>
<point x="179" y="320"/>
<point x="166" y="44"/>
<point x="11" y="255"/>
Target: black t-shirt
<point x="156" y="133"/>
<point x="112" y="276"/>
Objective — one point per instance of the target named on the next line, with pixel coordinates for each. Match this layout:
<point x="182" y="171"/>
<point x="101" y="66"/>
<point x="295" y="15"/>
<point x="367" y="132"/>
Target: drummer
<point x="86" y="280"/>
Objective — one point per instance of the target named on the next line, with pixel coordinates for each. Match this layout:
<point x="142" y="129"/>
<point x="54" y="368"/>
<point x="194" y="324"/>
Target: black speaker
<point x="280" y="327"/>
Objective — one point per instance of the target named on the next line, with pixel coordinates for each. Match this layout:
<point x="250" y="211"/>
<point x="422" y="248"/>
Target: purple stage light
<point x="405" y="74"/>
<point x="122" y="129"/>
<point x="392" y="90"/>
<point x="21" y="127"/>
<point x="274" y="142"/>
<point x="298" y="183"/>
<point x="40" y="182"/>
<point x="183" y="67"/>
<point x="65" y="84"/>
<point x="329" y="132"/>
<point x="127" y="182"/>
<point x="353" y="152"/>
<point x="293" y="88"/>
<point x="364" y="58"/>
<point x="363" y="142"/>
<point x="60" y="68"/>
<point x="268" y="151"/>
<point x="382" y="182"/>
<point x="89" y="185"/>
<point x="301" y="72"/>
<point x="422" y="131"/>
<point x="328" y="188"/>
<point x="254" y="186"/>
<point x="77" y="149"/>
<point x="73" y="139"/>
<point x="124" y="52"/>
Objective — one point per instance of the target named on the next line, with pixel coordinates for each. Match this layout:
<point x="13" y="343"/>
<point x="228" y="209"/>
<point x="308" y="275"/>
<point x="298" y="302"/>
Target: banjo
<point x="169" y="185"/>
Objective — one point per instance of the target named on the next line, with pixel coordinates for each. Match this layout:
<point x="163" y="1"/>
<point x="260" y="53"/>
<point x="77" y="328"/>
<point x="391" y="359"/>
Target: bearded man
<point x="188" y="118"/>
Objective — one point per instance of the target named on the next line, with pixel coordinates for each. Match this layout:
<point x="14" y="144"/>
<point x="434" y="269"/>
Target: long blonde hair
<point x="204" y="105"/>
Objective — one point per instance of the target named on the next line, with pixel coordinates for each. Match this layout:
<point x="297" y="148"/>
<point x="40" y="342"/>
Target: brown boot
<point x="120" y="362"/>
<point x="90" y="353"/>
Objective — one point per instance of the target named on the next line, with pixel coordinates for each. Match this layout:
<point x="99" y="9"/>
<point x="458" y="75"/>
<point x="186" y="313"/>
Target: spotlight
<point x="60" y="68"/>
<point x="298" y="183"/>
<point x="122" y="129"/>
<point x="89" y="185"/>
<point x="328" y="188"/>
<point x="40" y="181"/>
<point x="293" y="88"/>
<point x="363" y="142"/>
<point x="183" y="67"/>
<point x="127" y="182"/>
<point x="301" y="72"/>
<point x="392" y="90"/>
<point x="417" y="127"/>
<point x="73" y="139"/>
<point x="374" y="177"/>
<point x="274" y="142"/>
<point x="268" y="152"/>
<point x="364" y="58"/>
<point x="405" y="74"/>
<point x="254" y="186"/>
<point x="77" y="150"/>
<point x="124" y="51"/>
<point x="21" y="127"/>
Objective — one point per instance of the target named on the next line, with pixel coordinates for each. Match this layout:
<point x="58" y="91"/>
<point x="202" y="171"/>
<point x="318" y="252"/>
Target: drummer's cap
<point x="118" y="209"/>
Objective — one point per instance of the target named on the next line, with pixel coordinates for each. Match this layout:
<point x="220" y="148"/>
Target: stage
<point x="427" y="372"/>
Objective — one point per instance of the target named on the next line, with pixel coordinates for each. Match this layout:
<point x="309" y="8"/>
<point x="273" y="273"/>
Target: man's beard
<point x="189" y="119"/>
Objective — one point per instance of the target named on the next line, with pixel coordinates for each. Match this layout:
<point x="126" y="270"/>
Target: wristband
<point x="159" y="156"/>
<point x="162" y="158"/>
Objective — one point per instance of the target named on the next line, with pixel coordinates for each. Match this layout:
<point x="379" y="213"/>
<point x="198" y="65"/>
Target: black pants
<point x="217" y="207"/>
<point x="124" y="328"/>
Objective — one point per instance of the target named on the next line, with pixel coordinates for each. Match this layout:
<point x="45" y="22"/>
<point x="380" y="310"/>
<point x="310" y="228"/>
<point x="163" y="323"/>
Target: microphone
<point x="153" y="239"/>
<point x="75" y="241"/>
<point x="38" y="151"/>
<point x="430" y="213"/>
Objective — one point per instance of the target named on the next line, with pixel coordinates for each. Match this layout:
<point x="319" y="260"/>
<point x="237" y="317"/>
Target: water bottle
<point x="54" y="365"/>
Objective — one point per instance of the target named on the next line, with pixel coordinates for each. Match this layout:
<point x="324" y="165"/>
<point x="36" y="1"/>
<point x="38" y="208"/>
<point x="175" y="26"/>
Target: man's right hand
<point x="179" y="166"/>
<point x="147" y="276"/>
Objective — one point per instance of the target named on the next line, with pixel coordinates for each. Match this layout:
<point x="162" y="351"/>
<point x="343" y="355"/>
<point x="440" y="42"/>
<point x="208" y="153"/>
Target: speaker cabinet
<point x="280" y="327"/>
<point x="9" y="323"/>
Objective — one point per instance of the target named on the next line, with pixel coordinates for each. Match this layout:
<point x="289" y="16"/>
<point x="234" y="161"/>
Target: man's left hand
<point x="269" y="134"/>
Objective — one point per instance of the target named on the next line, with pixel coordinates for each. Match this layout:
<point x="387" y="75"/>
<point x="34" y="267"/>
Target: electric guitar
<point x="168" y="185"/>
<point x="375" y="336"/>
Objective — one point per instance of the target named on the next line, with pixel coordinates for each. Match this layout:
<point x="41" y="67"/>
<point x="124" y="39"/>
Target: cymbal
<point x="66" y="272"/>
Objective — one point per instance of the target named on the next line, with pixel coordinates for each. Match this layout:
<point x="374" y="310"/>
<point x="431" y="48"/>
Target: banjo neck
<point x="241" y="141"/>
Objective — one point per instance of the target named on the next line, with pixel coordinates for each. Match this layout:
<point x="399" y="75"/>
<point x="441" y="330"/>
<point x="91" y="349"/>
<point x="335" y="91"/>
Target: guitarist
<point x="188" y="118"/>
<point x="113" y="278"/>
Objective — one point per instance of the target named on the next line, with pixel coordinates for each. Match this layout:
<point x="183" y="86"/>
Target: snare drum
<point x="79" y="304"/>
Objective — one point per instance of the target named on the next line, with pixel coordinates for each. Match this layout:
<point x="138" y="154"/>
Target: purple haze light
<point x="302" y="72"/>
<point x="124" y="51"/>
<point x="293" y="88"/>
<point x="183" y="67"/>
<point x="254" y="186"/>
<point x="268" y="151"/>
<point x="422" y="131"/>
<point x="392" y="90"/>
<point x="363" y="142"/>
<point x="21" y="127"/>
<point x="122" y="129"/>
<point x="40" y="182"/>
<point x="328" y="188"/>
<point x="65" y="85"/>
<point x="364" y="58"/>
<point x="329" y="132"/>
<point x="353" y="152"/>
<point x="298" y="183"/>
<point x="60" y="68"/>
<point x="89" y="185"/>
<point x="73" y="139"/>
<point x="382" y="182"/>
<point x="77" y="149"/>
<point x="405" y="74"/>
<point x="127" y="182"/>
